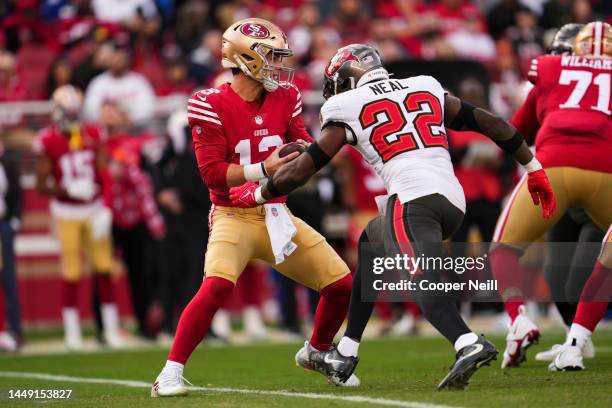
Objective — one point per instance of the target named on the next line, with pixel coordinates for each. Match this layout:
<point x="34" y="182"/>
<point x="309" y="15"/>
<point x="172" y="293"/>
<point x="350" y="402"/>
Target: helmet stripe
<point x="597" y="36"/>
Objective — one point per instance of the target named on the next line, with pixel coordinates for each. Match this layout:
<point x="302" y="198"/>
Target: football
<point x="290" y="148"/>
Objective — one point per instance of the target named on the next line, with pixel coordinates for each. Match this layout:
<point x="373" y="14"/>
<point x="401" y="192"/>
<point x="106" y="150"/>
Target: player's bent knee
<point x="341" y="287"/>
<point x="217" y="287"/>
<point x="222" y="268"/>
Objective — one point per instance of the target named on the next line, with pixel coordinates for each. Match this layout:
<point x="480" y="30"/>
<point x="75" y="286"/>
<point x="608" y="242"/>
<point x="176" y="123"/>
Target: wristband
<point x="319" y="157"/>
<point x="274" y="192"/>
<point x="259" y="198"/>
<point x="533" y="165"/>
<point x="255" y="172"/>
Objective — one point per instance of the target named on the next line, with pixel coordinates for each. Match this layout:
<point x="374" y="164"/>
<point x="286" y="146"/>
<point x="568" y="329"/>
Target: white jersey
<point x="398" y="126"/>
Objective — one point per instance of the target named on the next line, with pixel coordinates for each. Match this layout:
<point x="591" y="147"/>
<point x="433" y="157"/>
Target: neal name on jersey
<point x="398" y="126"/>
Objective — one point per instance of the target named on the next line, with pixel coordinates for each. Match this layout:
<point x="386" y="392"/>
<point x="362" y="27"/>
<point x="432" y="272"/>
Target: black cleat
<point x="468" y="360"/>
<point x="337" y="368"/>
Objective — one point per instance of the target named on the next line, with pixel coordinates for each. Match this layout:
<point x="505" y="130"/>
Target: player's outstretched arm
<point x="295" y="173"/>
<point x="460" y="115"/>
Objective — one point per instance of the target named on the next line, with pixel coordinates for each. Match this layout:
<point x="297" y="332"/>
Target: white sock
<point x="110" y="318"/>
<point x="173" y="365"/>
<point x="72" y="325"/>
<point x="348" y="347"/>
<point x="580" y="333"/>
<point x="465" y="340"/>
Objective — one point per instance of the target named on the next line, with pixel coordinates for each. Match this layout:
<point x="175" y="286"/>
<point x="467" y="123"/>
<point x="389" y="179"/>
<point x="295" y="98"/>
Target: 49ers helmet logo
<point x="255" y="31"/>
<point x="337" y="60"/>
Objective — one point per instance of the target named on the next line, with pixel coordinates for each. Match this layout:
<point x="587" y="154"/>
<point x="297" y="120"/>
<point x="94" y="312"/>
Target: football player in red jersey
<point x="70" y="168"/>
<point x="570" y="102"/>
<point x="238" y="130"/>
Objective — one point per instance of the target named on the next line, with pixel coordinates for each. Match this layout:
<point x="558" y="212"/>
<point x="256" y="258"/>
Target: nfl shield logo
<point x="258" y="119"/>
<point x="274" y="212"/>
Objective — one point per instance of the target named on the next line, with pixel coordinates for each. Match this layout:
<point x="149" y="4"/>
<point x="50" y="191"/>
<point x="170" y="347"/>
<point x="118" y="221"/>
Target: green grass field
<point x="392" y="369"/>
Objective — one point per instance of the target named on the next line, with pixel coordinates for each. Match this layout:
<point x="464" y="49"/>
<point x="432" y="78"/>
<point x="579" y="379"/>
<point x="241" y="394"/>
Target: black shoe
<point x="336" y="367"/>
<point x="468" y="360"/>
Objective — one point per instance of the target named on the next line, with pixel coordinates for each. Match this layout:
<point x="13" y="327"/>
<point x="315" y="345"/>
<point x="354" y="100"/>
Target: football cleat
<point x="337" y="368"/>
<point x="169" y="383"/>
<point x="8" y="343"/>
<point x="522" y="335"/>
<point x="468" y="360"/>
<point x="549" y="355"/>
<point x="569" y="358"/>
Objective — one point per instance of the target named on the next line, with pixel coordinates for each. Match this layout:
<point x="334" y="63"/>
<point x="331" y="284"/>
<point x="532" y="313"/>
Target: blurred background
<point x="162" y="50"/>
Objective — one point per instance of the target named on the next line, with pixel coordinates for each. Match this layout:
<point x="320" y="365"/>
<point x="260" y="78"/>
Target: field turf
<point x="394" y="372"/>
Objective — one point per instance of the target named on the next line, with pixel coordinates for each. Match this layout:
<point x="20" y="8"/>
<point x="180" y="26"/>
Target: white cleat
<point x="568" y="359"/>
<point x="522" y="335"/>
<point x="169" y="383"/>
<point x="302" y="359"/>
<point x="404" y="326"/>
<point x="588" y="351"/>
<point x="7" y="343"/>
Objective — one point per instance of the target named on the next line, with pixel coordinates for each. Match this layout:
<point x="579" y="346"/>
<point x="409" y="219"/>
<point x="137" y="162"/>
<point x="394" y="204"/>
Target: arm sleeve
<point x="209" y="142"/>
<point x="525" y="119"/>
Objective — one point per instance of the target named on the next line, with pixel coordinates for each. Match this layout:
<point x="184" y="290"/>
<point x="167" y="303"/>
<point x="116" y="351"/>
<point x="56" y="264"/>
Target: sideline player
<point x="571" y="103"/>
<point x="399" y="127"/>
<point x="70" y="168"/>
<point x="566" y="271"/>
<point x="238" y="130"/>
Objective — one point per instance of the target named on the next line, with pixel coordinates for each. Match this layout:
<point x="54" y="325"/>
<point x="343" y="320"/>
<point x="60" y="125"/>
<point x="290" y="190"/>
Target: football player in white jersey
<point x="399" y="127"/>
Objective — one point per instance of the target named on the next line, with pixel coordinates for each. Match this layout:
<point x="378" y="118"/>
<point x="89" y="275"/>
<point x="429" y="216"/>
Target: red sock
<point x="413" y="309"/>
<point x="195" y="319"/>
<point x="331" y="312"/>
<point x="507" y="270"/>
<point x="594" y="298"/>
<point x="104" y="285"/>
<point x="70" y="293"/>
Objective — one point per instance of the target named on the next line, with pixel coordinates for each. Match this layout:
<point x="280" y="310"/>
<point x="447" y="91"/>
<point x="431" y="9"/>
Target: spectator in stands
<point x="135" y="213"/>
<point x="11" y="87"/>
<point x="119" y="84"/>
<point x="175" y="80"/>
<point x="139" y="16"/>
<point x="503" y="16"/>
<point x="464" y="29"/>
<point x="11" y="202"/>
<point x="61" y="74"/>
<point x="204" y="60"/>
<point x="191" y="24"/>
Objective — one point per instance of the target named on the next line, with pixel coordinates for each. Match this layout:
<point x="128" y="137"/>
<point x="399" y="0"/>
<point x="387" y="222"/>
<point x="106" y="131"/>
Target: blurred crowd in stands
<point x="125" y="54"/>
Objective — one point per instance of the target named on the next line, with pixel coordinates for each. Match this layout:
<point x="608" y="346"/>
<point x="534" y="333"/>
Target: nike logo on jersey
<point x="331" y="360"/>
<point x="477" y="349"/>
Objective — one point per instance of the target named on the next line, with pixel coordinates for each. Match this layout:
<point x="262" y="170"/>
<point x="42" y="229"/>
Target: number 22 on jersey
<point x="416" y="123"/>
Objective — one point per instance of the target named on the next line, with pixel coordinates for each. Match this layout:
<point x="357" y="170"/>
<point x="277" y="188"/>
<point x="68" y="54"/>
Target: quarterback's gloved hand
<point x="247" y="195"/>
<point x="541" y="192"/>
<point x="81" y="189"/>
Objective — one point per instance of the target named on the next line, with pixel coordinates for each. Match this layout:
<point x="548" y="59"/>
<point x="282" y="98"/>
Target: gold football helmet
<point x="594" y="40"/>
<point x="257" y="47"/>
<point x="67" y="102"/>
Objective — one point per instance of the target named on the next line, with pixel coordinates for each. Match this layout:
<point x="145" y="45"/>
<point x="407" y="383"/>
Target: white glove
<point x="82" y="189"/>
<point x="100" y="223"/>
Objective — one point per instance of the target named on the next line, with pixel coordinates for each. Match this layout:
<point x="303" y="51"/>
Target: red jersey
<point x="368" y="183"/>
<point x="570" y="102"/>
<point x="71" y="163"/>
<point x="227" y="129"/>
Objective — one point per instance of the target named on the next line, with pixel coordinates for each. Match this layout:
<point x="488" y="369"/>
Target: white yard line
<point x="279" y="393"/>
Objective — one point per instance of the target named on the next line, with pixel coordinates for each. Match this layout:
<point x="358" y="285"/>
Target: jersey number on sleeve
<point x="583" y="80"/>
<point x="386" y="136"/>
